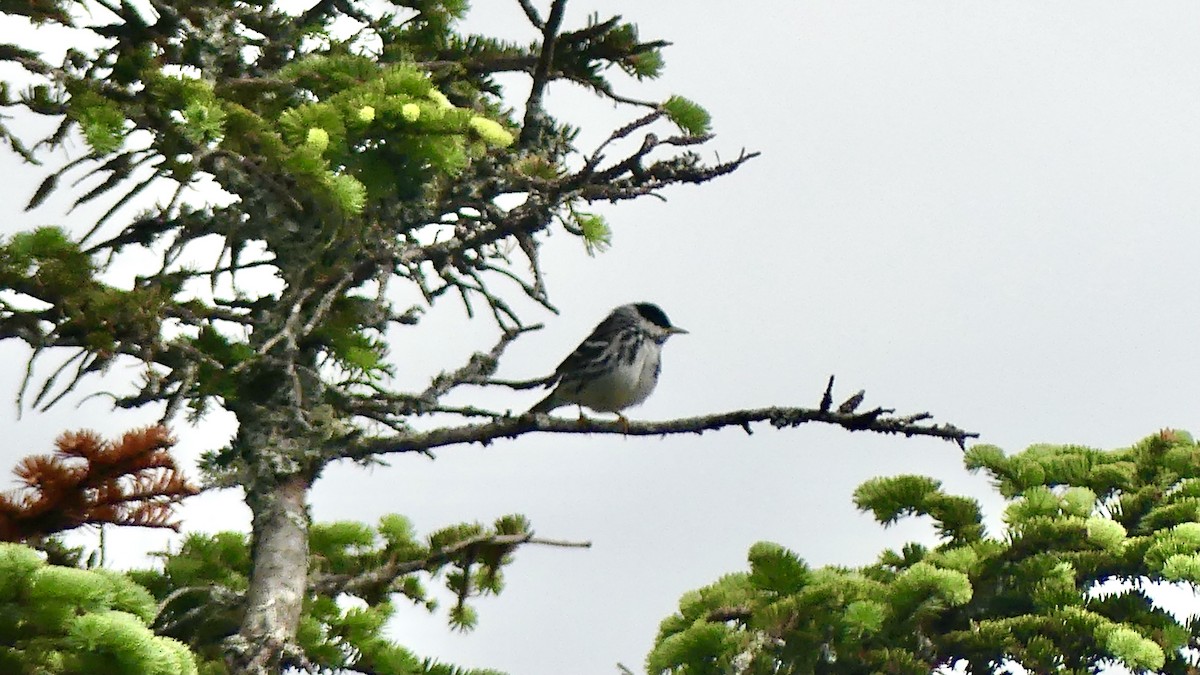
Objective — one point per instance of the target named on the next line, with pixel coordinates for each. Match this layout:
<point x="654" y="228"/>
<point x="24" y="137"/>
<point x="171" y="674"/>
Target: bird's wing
<point x="586" y="358"/>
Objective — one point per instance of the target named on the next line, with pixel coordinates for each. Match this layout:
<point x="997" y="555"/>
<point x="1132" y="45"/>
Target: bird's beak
<point x="676" y="330"/>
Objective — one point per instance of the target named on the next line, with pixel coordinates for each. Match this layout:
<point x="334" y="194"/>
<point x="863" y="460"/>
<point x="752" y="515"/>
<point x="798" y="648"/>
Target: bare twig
<point x="215" y="597"/>
<point x="286" y="333"/>
<point x="541" y="73"/>
<point x="477" y="369"/>
<point x="519" y="384"/>
<point x="532" y="14"/>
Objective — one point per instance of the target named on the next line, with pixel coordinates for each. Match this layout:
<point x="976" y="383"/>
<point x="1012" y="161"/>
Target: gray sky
<point x="984" y="210"/>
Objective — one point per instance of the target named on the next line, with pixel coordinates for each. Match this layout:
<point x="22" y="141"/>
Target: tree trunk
<point x="279" y="577"/>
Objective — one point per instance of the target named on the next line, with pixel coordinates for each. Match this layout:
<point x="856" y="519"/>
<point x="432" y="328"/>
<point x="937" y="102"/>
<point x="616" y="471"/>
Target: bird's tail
<point x="546" y="405"/>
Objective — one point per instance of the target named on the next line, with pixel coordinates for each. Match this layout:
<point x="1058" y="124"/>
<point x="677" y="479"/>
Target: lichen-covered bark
<point x="272" y="457"/>
<point x="279" y="577"/>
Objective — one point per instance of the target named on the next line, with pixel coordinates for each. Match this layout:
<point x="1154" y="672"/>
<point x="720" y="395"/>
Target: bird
<point x="617" y="366"/>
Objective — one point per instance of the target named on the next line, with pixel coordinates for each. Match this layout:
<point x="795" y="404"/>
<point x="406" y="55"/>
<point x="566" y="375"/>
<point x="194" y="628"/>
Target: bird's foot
<point x="624" y="423"/>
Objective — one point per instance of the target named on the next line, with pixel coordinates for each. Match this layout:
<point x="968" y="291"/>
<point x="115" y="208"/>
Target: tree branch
<point x="479" y="366"/>
<point x="541" y="74"/>
<point x="531" y="13"/>
<point x="383" y="575"/>
<point x="519" y="384"/>
<point x="393" y="409"/>
<point x="878" y="420"/>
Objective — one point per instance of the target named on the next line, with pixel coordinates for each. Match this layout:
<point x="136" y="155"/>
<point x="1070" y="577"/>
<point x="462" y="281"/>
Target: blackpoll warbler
<point x="617" y="366"/>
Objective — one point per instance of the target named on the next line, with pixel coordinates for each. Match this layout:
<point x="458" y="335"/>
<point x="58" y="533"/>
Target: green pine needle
<point x="103" y="129"/>
<point x="688" y="115"/>
<point x="463" y="617"/>
<point x="647" y="65"/>
<point x="597" y="235"/>
<point x="348" y="192"/>
<point x="204" y="122"/>
<point x="43" y="242"/>
<point x="775" y="568"/>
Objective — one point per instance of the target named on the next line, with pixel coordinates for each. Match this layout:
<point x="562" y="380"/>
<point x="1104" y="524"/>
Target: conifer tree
<point x="350" y="149"/>
<point x="1063" y="588"/>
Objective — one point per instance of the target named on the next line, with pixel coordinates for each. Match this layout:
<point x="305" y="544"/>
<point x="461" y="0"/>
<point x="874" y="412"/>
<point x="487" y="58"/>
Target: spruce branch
<point x="89" y="481"/>
<point x="626" y="179"/>
<point x="381" y="577"/>
<point x="878" y="420"/>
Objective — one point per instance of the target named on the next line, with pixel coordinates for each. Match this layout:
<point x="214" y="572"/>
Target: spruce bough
<point x="1063" y="588"/>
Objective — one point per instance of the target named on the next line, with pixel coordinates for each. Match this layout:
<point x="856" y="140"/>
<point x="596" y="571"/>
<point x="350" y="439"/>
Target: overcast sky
<point x="984" y="210"/>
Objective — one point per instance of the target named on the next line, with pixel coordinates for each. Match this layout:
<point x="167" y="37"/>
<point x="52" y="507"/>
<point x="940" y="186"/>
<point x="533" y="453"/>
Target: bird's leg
<point x="582" y="419"/>
<point x="624" y="423"/>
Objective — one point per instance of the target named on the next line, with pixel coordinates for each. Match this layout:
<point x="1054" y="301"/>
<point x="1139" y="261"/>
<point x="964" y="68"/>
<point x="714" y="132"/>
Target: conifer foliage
<point x="65" y="621"/>
<point x="358" y="575"/>
<point x="90" y="481"/>
<point x="1063" y="588"/>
